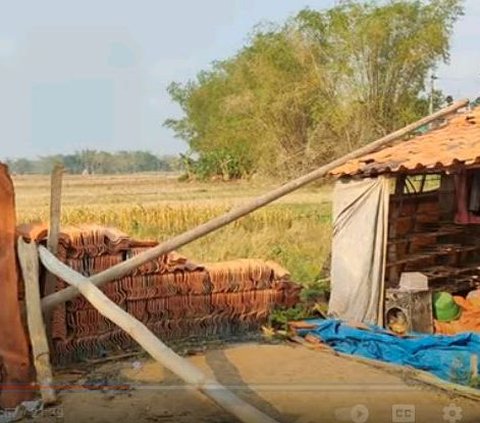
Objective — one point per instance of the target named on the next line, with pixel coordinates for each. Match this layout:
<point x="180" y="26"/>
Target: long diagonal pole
<point x="121" y="269"/>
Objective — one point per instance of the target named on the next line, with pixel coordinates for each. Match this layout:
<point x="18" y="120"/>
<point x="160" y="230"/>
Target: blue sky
<point x="93" y="74"/>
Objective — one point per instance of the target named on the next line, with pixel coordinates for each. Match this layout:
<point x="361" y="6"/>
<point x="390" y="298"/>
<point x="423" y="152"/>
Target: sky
<point x="93" y="74"/>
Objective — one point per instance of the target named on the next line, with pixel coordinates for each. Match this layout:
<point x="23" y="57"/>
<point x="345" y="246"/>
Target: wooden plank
<point x="28" y="258"/>
<point x="438" y="252"/>
<point x="123" y="268"/>
<point x="153" y="345"/>
<point x="421" y="235"/>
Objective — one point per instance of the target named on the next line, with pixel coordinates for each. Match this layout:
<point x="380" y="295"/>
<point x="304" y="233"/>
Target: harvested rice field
<point x="294" y="231"/>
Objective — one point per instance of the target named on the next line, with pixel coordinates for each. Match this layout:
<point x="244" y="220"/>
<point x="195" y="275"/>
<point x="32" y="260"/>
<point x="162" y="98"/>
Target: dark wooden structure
<point x="423" y="237"/>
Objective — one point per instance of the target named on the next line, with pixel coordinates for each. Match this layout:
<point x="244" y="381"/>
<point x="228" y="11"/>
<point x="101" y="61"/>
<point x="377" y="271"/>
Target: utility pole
<point x="433" y="77"/>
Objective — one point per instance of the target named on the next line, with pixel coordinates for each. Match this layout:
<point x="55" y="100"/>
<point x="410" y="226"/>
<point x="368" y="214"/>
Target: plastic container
<point x="445" y="308"/>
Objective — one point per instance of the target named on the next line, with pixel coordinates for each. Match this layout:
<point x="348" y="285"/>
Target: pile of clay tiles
<point x="175" y="298"/>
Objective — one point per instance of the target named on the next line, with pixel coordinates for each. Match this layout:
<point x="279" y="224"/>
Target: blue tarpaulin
<point x="448" y="357"/>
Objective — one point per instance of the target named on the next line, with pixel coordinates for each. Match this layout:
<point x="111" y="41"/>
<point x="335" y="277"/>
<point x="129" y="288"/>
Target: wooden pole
<point x="121" y="269"/>
<point x="54" y="227"/>
<point x="53" y="235"/>
<point x="153" y="345"/>
<point x="28" y="258"/>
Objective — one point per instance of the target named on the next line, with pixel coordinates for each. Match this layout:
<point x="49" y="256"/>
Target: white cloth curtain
<point x="360" y="225"/>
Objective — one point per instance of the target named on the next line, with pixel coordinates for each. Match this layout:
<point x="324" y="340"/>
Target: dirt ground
<point x="289" y="382"/>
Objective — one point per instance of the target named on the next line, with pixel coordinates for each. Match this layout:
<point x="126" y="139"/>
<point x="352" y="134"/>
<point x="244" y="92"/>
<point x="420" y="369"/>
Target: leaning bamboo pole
<point x="121" y="269"/>
<point x="153" y="345"/>
<point x="28" y="259"/>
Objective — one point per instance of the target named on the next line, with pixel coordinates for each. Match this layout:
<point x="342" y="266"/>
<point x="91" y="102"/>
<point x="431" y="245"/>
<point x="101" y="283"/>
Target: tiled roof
<point x="455" y="143"/>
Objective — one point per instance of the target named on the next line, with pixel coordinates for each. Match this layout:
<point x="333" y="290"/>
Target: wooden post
<point x="123" y="268"/>
<point x="54" y="226"/>
<point x="153" y="345"/>
<point x="28" y="258"/>
<point x="53" y="235"/>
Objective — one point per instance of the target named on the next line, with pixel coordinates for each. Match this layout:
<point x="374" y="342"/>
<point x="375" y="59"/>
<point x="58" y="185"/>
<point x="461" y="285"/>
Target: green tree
<point x="22" y="166"/>
<point x="321" y="84"/>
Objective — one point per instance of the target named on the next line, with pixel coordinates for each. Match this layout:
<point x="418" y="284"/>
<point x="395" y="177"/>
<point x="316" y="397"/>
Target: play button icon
<point x="359" y="413"/>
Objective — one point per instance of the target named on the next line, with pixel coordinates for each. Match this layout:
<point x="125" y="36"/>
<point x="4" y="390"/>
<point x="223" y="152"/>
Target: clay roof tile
<point x="455" y="142"/>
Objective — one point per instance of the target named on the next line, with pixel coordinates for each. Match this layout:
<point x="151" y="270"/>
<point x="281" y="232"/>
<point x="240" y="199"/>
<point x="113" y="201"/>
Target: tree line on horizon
<point x="97" y="162"/>
<point x="315" y="87"/>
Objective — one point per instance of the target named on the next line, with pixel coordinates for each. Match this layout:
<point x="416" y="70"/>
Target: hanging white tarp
<point x="360" y="224"/>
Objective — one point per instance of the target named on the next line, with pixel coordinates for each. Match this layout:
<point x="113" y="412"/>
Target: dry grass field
<point x="294" y="231"/>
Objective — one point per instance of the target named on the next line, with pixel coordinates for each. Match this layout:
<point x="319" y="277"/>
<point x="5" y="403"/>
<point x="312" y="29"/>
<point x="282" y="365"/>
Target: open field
<point x="294" y="231"/>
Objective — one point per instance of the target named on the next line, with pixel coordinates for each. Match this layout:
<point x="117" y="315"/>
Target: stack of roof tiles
<point x="174" y="297"/>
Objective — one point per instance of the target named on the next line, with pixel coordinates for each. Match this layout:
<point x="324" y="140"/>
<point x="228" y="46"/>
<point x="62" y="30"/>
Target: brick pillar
<point x="15" y="364"/>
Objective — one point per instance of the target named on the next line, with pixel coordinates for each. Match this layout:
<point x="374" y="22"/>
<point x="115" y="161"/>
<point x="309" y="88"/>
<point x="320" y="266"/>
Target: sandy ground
<point x="289" y="382"/>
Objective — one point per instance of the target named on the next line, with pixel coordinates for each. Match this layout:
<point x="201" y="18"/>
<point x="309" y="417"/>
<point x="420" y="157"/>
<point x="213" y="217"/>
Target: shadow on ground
<point x="228" y="375"/>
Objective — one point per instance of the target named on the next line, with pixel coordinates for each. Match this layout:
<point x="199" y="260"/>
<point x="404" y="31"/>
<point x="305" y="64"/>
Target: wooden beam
<point x="123" y="268"/>
<point x="28" y="258"/>
<point x="153" y="345"/>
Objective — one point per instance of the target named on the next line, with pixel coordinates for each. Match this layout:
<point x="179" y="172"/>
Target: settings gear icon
<point x="452" y="413"/>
